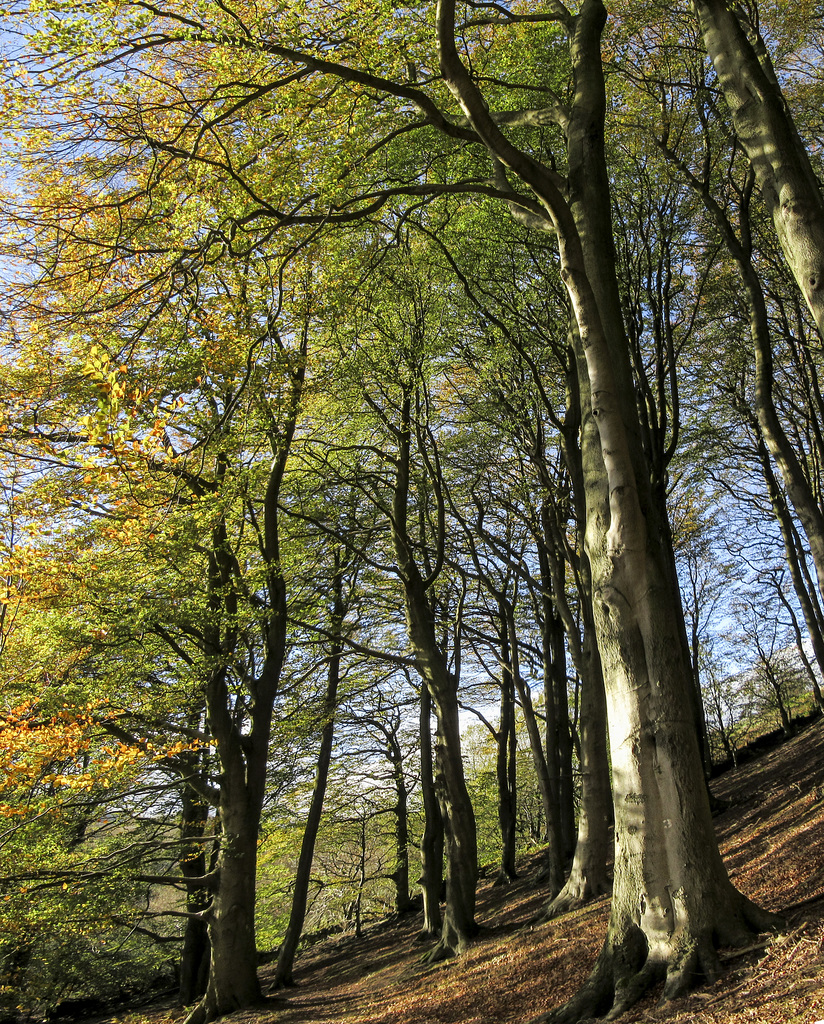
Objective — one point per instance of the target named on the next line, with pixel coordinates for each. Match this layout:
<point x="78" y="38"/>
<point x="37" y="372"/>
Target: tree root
<point x="504" y="878"/>
<point x="570" y="898"/>
<point x="453" y="942"/>
<point x="625" y="969"/>
<point x="440" y="952"/>
<point x="199" y="1014"/>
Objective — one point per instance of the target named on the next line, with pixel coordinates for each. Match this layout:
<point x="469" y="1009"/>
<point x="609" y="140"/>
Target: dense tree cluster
<point x="368" y="372"/>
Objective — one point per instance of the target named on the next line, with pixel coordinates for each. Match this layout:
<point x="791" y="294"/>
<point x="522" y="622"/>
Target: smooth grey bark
<point x="303" y="872"/>
<point x="432" y="840"/>
<point x="765" y="126"/>
<point x="650" y="334"/>
<point x="458" y="926"/>
<point x="588" y="877"/>
<point x="673" y="900"/>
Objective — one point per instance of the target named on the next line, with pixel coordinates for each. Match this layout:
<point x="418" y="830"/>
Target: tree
<point x="656" y="764"/>
<point x="337" y="613"/>
<point x="224" y="626"/>
<point x="392" y="456"/>
<point x="667" y="863"/>
<point x="767" y="131"/>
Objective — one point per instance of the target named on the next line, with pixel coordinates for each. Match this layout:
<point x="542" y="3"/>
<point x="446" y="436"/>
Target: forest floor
<point x="772" y="838"/>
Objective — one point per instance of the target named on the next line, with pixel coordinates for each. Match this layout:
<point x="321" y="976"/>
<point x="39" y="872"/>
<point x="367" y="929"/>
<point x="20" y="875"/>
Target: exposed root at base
<point x="452" y="943"/>
<point x="504" y="878"/>
<point x="570" y="899"/>
<point x="211" y="1008"/>
<point x="625" y="972"/>
<point x="442" y="951"/>
<point x="199" y="1014"/>
<point x="281" y="983"/>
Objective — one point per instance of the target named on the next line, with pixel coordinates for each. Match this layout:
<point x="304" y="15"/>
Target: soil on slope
<point x="772" y="838"/>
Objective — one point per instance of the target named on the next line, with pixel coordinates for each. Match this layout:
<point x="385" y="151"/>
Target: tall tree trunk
<point x="194" y="960"/>
<point x="791" y="191"/>
<point x="799" y="490"/>
<point x="765" y="127"/>
<point x="233" y="981"/>
<point x="588" y="876"/>
<point x="672" y="898"/>
<point x="243" y="741"/>
<point x="548" y="790"/>
<point x="505" y="764"/>
<point x="297" y="915"/>
<point x="460" y="840"/>
<point x="432" y="839"/>
<point x="558" y="731"/>
<point x="400" y="875"/>
<point x="794" y="556"/>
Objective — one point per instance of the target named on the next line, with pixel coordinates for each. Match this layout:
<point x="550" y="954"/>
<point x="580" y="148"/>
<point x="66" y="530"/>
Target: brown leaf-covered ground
<point x="772" y="837"/>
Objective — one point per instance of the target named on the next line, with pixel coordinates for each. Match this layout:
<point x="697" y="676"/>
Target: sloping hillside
<point x="772" y="837"/>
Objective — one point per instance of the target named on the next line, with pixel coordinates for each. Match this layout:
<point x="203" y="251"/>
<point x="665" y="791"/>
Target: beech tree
<point x="767" y="130"/>
<point x="525" y="397"/>
<point x="391" y="454"/>
<point x="686" y="900"/>
<point x="191" y="485"/>
<point x="439" y="99"/>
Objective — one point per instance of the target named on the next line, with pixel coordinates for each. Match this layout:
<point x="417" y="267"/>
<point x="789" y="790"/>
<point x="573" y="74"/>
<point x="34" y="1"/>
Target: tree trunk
<point x="460" y="840"/>
<point x="460" y="843"/>
<point x="294" y="929"/>
<point x="588" y="878"/>
<point x="194" y="960"/>
<point x="769" y="426"/>
<point x="549" y="792"/>
<point x="558" y="732"/>
<point x="400" y="876"/>
<point x="765" y="127"/>
<point x="672" y="897"/>
<point x="794" y="556"/>
<point x="505" y="765"/>
<point x="243" y="742"/>
<point x="233" y="981"/>
<point x="432" y="839"/>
